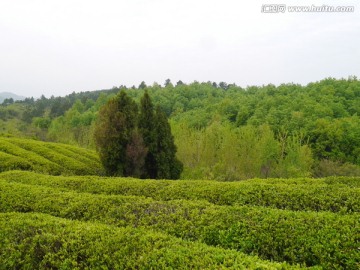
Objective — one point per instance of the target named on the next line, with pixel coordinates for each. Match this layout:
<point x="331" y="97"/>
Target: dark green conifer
<point x="147" y="128"/>
<point x="168" y="166"/>
<point x="117" y="121"/>
<point x="132" y="144"/>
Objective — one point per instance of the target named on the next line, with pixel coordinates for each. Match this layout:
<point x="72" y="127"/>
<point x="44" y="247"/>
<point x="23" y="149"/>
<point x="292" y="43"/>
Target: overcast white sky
<point x="57" y="47"/>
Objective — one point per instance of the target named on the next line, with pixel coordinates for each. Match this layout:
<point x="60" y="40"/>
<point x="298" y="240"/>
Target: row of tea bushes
<point x="321" y="239"/>
<point x="49" y="158"/>
<point x="319" y="196"/>
<point x="39" y="241"/>
<point x="63" y="154"/>
<point x="345" y="180"/>
<point x="32" y="160"/>
<point x="10" y="162"/>
<point x="350" y="181"/>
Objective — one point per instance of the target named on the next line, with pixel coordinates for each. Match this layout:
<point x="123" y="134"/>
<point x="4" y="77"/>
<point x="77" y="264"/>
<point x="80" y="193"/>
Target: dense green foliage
<point x="330" y="194"/>
<point x="255" y="217"/>
<point x="297" y="237"/>
<point x="133" y="144"/>
<point x="223" y="152"/>
<point x="287" y="130"/>
<point x="38" y="241"/>
<point x="114" y="132"/>
<point x="148" y="131"/>
<point x="167" y="165"/>
<point x="50" y="158"/>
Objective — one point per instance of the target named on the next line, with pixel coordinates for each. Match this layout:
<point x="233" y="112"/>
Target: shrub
<point x="292" y="194"/>
<point x="324" y="239"/>
<point x="49" y="158"/>
<point x="38" y="241"/>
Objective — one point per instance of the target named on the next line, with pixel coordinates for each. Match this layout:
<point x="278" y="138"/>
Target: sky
<point x="58" y="47"/>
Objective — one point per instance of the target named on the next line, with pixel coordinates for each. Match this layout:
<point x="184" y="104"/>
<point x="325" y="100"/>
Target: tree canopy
<point x="323" y="118"/>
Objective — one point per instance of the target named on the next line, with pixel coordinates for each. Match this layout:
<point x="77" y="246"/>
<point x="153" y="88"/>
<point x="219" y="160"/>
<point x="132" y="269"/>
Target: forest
<point x="221" y="131"/>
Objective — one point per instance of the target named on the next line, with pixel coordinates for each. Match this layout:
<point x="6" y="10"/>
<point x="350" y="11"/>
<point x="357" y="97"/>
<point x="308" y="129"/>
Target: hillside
<point x="8" y="95"/>
<point x="48" y="158"/>
<point x="223" y="131"/>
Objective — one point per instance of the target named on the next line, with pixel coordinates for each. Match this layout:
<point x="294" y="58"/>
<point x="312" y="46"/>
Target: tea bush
<point x="48" y="158"/>
<point x="321" y="239"/>
<point x="299" y="195"/>
<point x="38" y="241"/>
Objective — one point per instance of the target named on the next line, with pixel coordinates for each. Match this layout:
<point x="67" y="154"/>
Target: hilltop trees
<point x="325" y="114"/>
<point x="133" y="144"/>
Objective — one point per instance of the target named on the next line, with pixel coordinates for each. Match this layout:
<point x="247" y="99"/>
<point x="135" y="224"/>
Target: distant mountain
<point x="4" y="95"/>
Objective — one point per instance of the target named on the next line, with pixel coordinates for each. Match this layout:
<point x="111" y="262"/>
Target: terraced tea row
<point x="38" y="241"/>
<point x="301" y="195"/>
<point x="324" y="239"/>
<point x="50" y="158"/>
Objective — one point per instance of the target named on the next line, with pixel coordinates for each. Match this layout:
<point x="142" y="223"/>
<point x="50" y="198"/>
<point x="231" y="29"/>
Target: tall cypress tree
<point x="168" y="166"/>
<point x="115" y="127"/>
<point x="160" y="161"/>
<point x="147" y="128"/>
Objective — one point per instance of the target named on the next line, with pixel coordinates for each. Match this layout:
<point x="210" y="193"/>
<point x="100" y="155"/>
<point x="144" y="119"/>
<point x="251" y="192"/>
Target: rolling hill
<point x="48" y="158"/>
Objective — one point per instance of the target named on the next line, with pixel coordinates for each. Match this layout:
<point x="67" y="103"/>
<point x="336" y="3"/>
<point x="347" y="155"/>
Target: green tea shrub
<point x="48" y="158"/>
<point x="325" y="239"/>
<point x="321" y="195"/>
<point x="38" y="241"/>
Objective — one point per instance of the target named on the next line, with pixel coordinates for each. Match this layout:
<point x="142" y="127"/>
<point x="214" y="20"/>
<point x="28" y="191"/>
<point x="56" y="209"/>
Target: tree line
<point x="321" y="117"/>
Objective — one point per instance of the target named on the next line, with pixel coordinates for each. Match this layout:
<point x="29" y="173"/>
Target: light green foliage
<point x="337" y="139"/>
<point x="295" y="157"/>
<point x="329" y="194"/>
<point x="41" y="122"/>
<point x="10" y="162"/>
<point x="38" y="241"/>
<point x="224" y="152"/>
<point x="328" y="168"/>
<point x="76" y="126"/>
<point x="324" y="114"/>
<point x="50" y="158"/>
<point x="298" y="237"/>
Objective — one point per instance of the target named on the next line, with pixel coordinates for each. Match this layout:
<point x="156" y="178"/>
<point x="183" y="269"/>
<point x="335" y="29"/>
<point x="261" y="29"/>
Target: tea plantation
<point x="56" y="214"/>
<point x="48" y="158"/>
